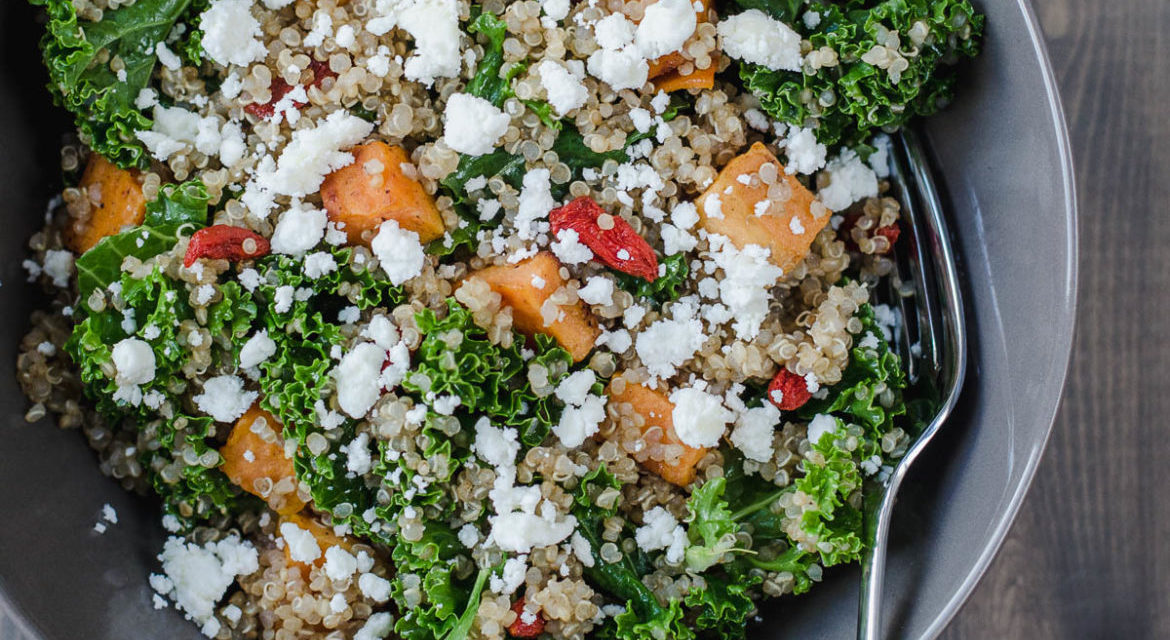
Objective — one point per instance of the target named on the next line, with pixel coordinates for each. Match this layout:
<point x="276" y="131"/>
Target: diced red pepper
<point x="279" y="88"/>
<point x="619" y="246"/>
<point x="225" y="242"/>
<point x="522" y="629"/>
<point x="793" y="391"/>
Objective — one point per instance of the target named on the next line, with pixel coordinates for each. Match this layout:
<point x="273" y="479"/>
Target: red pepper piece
<point x="793" y="391"/>
<point x="521" y="629"/>
<point x="890" y="232"/>
<point x="225" y="242"/>
<point x="279" y="88"/>
<point x="620" y="246"/>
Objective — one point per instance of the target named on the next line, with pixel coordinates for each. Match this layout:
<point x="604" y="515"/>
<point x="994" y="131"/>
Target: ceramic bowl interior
<point x="1002" y="155"/>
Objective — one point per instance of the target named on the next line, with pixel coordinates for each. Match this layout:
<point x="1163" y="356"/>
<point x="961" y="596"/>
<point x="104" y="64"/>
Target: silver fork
<point x="925" y="288"/>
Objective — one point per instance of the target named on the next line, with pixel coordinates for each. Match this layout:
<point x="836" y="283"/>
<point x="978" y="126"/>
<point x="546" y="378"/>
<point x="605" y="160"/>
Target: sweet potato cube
<point x="322" y="534"/>
<point x="526" y="286"/>
<point x="376" y="188"/>
<point x="734" y="209"/>
<point x="696" y="79"/>
<point x="116" y="203"/>
<point x="253" y="464"/>
<point x="657" y="411"/>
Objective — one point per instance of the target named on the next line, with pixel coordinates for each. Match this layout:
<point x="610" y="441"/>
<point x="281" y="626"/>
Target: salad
<point x="438" y="319"/>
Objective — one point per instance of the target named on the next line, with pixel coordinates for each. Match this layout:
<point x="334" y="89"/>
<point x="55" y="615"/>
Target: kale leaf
<point x="178" y="208"/>
<point x="847" y="102"/>
<point x="665" y="287"/>
<point x="102" y="102"/>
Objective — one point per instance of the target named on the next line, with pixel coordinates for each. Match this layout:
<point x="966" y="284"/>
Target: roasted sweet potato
<point x="323" y="534"/>
<point x="253" y="464"/>
<point x="786" y="227"/>
<point x="657" y="411"/>
<point x="376" y="188"/>
<point x="664" y="70"/>
<point x="575" y="329"/>
<point x="116" y="203"/>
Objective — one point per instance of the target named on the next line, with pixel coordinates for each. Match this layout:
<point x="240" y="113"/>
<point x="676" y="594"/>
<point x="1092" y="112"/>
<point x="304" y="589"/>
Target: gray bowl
<point x="1003" y="155"/>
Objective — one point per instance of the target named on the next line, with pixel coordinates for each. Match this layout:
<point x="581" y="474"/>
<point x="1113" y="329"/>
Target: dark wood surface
<point x="1089" y="555"/>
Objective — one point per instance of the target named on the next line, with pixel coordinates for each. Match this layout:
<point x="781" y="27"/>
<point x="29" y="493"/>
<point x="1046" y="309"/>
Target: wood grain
<point x="1089" y="556"/>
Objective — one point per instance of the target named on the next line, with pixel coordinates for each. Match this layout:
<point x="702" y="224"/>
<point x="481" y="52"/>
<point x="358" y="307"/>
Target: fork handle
<point x="877" y="508"/>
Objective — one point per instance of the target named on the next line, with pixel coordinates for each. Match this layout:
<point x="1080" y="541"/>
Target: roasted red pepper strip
<point x="619" y="246"/>
<point x="521" y="629"/>
<point x="793" y="390"/>
<point x="225" y="242"/>
<point x="279" y="88"/>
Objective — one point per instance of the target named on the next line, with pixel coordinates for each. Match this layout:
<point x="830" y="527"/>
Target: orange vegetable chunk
<point x="116" y="203"/>
<point x="787" y="228"/>
<point x="376" y="188"/>
<point x="657" y="411"/>
<point x="248" y="460"/>
<point x="575" y="329"/>
<point x="664" y="70"/>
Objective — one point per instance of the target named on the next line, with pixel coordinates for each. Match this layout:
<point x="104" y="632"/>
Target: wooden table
<point x="1089" y="556"/>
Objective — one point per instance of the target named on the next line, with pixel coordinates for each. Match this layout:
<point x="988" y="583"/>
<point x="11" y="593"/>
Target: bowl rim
<point x="1008" y="516"/>
<point x="12" y="615"/>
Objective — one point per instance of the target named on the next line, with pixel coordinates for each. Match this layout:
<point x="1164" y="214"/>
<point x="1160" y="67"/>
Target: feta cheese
<point x="434" y="25"/>
<point x="820" y="425"/>
<point x="754" y="430"/>
<point x="564" y="89"/>
<point x="319" y="264"/>
<point x="374" y="587"/>
<point x="377" y="627"/>
<point x="301" y="545"/>
<point x="699" y="417"/>
<point x="520" y="532"/>
<point x="339" y="563"/>
<point x="224" y="398"/>
<point x="621" y="69"/>
<point x="257" y="349"/>
<point x="665" y="27"/>
<point x="468" y="536"/>
<point x="574" y="389"/>
<point x="599" y="290"/>
<point x="753" y="36"/>
<point x="398" y="251"/>
<point x="583" y="549"/>
<point x="231" y="34"/>
<point x="556" y="10"/>
<point x="850" y="180"/>
<point x="314" y="153"/>
<point x="472" y="125"/>
<point x="614" y="31"/>
<point x="58" y="266"/>
<point x="580" y="422"/>
<point x="805" y="154"/>
<point x="511" y="576"/>
<point x="568" y="248"/>
<point x="534" y="204"/>
<point x="357" y="455"/>
<point x="662" y="531"/>
<point x="670" y="342"/>
<point x="197" y="577"/>
<point x="748" y="276"/>
<point x="358" y="387"/>
<point x="133" y="361"/>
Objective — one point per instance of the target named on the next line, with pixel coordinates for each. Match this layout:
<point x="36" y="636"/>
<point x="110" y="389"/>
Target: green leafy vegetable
<point x="178" y="208"/>
<point x="488" y="83"/>
<point x="665" y="287"/>
<point x="712" y="529"/>
<point x="846" y="102"/>
<point x="103" y="103"/>
<point x="724" y="604"/>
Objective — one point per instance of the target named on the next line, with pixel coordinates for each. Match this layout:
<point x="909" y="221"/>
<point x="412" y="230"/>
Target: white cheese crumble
<point x="377" y="627"/>
<point x="665" y="27"/>
<point x="197" y="577"/>
<point x="850" y="180"/>
<point x="357" y="455"/>
<point x="805" y="154"/>
<point x="257" y="349"/>
<point x="534" y="205"/>
<point x="568" y="248"/>
<point x="598" y="290"/>
<point x="699" y="417"/>
<point x="753" y="36"/>
<point x="618" y="62"/>
<point x="754" y="429"/>
<point x="374" y="587"/>
<point x="820" y="425"/>
<point x="580" y="422"/>
<point x="224" y="398"/>
<point x="358" y="386"/>
<point x="472" y="125"/>
<point x="339" y="563"/>
<point x="133" y="361"/>
<point x="319" y="264"/>
<point x="398" y="251"/>
<point x="434" y="25"/>
<point x="58" y="266"/>
<point x="670" y="342"/>
<point x="511" y="576"/>
<point x="662" y="531"/>
<point x="231" y="35"/>
<point x="748" y="276"/>
<point x="302" y="546"/>
<point x="314" y="153"/>
<point x="563" y="87"/>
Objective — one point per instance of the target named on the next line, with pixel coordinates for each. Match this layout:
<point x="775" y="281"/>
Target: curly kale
<point x="847" y="102"/>
<point x="76" y="54"/>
